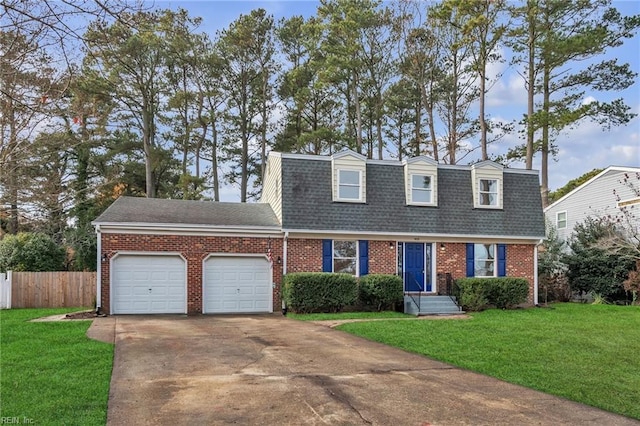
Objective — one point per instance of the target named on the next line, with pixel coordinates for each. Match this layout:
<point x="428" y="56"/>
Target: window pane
<point x="349" y="192"/>
<point x="349" y="177"/>
<point x="484" y="251"/>
<point x="484" y="260"/>
<point x="489" y="185"/>
<point x="344" y="249"/>
<point x="420" y="196"/>
<point x="345" y="266"/>
<point x="561" y="220"/>
<point x="487" y="199"/>
<point x="421" y="181"/>
<point x="484" y="268"/>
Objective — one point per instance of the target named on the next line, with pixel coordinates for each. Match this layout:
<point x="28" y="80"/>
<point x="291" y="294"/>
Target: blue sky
<point x="580" y="150"/>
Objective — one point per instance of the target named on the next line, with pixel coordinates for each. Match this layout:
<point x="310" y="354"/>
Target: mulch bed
<point x="82" y="315"/>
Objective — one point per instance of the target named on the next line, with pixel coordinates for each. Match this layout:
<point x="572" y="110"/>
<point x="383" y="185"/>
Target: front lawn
<point x="586" y="353"/>
<point x="51" y="372"/>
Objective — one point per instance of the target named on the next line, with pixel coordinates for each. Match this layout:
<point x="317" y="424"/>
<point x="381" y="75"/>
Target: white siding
<point x="349" y="162"/>
<point x="595" y="198"/>
<point x="272" y="187"/>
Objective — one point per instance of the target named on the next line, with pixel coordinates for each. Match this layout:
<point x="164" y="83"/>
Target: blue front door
<point x="414" y="267"/>
<point x="417" y="267"/>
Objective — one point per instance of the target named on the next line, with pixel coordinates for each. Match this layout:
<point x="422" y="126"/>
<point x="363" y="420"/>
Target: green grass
<point x="349" y="315"/>
<point x="50" y="372"/>
<point x="585" y="353"/>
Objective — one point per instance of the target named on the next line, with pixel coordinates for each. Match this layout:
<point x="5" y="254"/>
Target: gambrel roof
<point x="307" y="202"/>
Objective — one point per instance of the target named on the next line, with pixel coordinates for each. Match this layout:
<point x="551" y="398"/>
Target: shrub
<point x="592" y="268"/>
<point x="472" y="294"/>
<point x="507" y="292"/>
<point x="380" y="291"/>
<point x="477" y="293"/>
<point x="33" y="252"/>
<point x="554" y="288"/>
<point x="307" y="292"/>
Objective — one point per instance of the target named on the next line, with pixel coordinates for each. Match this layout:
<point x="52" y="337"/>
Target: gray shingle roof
<point x="307" y="203"/>
<point x="162" y="211"/>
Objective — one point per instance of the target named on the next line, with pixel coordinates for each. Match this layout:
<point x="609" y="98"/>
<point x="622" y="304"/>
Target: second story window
<point x="421" y="189"/>
<point x="561" y="220"/>
<point x="349" y="185"/>
<point x="488" y="192"/>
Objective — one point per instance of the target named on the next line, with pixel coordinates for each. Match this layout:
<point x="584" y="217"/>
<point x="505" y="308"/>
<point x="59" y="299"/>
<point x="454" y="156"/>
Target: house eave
<point x="190" y="229"/>
<point x="413" y="236"/>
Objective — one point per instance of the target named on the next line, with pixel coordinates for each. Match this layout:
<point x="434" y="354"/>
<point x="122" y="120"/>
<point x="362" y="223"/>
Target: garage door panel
<point x="236" y="285"/>
<point x="147" y="284"/>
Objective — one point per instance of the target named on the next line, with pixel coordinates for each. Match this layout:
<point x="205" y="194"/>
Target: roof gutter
<point x="159" y="228"/>
<point x="392" y="236"/>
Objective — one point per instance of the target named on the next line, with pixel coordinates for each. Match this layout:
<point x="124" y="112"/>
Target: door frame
<point x="429" y="264"/>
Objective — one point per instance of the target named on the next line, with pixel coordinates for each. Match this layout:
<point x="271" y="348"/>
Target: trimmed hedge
<point x="380" y="291"/>
<point x="307" y="292"/>
<point x="476" y="294"/>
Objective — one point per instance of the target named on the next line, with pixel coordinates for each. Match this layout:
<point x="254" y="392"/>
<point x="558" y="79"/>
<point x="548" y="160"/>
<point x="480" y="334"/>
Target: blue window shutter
<point x="470" y="260"/>
<point x="502" y="260"/>
<point x="363" y="248"/>
<point x="327" y="256"/>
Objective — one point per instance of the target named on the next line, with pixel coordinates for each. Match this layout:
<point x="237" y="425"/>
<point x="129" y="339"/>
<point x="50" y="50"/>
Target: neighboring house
<point x="594" y="198"/>
<point x="339" y="213"/>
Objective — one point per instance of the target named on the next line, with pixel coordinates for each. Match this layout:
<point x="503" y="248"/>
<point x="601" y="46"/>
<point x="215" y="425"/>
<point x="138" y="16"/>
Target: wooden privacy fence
<point x="52" y="289"/>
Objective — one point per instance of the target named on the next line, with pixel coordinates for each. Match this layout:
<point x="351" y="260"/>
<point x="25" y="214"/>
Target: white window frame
<point x="357" y="256"/>
<point x="497" y="193"/>
<point x="430" y="190"/>
<point x="494" y="260"/>
<point x="558" y="220"/>
<point x="340" y="184"/>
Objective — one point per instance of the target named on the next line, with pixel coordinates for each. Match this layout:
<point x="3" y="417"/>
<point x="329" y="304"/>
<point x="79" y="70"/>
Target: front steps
<point x="431" y="305"/>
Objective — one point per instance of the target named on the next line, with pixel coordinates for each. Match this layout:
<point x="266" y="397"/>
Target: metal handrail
<point x="449" y="283"/>
<point x="421" y="289"/>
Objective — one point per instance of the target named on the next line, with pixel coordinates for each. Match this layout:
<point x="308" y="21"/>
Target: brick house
<point x="430" y="223"/>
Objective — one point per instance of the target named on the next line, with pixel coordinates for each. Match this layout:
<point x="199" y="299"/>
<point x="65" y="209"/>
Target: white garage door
<point x="237" y="285"/>
<point x="148" y="284"/>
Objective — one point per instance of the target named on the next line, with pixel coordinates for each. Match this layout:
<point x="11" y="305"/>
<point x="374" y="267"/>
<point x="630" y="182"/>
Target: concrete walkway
<point x="263" y="370"/>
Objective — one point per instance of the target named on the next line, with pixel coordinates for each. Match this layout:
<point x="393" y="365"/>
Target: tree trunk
<point x="531" y="84"/>
<point x="544" y="148"/>
<point x="483" y="123"/>
<point x="356" y="99"/>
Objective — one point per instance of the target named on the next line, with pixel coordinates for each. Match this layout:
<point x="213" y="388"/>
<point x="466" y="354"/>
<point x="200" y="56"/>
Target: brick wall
<point x="452" y="258"/>
<point x="194" y="249"/>
<point x="520" y="263"/>
<point x="305" y="255"/>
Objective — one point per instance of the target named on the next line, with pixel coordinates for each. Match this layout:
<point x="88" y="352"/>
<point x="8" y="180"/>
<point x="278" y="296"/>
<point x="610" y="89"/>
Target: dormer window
<point x="487" y="181"/>
<point x="421" y="189"/>
<point x="488" y="192"/>
<point x="349" y="185"/>
<point x="349" y="177"/>
<point x="421" y="181"/>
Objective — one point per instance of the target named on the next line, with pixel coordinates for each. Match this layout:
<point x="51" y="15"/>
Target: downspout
<point x="284" y="253"/>
<point x="284" y="268"/>
<point x="98" y="270"/>
<point x="535" y="272"/>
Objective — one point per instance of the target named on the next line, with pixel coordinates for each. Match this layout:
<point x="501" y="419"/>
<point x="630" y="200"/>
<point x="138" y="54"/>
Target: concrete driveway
<point x="263" y="370"/>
